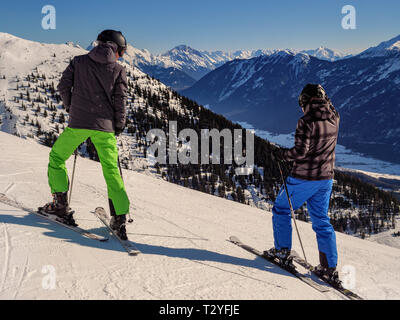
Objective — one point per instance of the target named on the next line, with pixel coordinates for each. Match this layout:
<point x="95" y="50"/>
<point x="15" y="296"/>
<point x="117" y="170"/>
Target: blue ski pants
<point x="317" y="195"/>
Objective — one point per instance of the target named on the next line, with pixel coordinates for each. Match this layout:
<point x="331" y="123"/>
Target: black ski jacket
<point x="93" y="89"/>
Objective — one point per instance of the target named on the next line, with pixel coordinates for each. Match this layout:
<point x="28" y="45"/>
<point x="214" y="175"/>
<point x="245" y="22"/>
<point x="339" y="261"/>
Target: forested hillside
<point x="35" y="111"/>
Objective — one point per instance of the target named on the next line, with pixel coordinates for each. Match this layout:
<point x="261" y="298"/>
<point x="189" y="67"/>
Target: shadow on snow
<point x="194" y="254"/>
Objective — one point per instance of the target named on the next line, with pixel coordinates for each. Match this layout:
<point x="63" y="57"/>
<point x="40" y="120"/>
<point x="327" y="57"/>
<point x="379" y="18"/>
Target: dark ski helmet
<point x="116" y="37"/>
<point x="311" y="91"/>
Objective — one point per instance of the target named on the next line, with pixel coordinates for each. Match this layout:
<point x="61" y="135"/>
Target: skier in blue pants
<point x="311" y="178"/>
<point x="317" y="195"/>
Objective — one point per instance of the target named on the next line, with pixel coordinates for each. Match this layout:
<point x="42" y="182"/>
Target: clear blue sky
<point x="208" y="25"/>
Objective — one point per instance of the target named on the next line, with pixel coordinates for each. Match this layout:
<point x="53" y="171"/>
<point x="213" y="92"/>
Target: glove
<point x="118" y="131"/>
<point x="278" y="154"/>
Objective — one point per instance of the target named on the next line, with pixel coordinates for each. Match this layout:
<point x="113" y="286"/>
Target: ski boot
<point x="118" y="224"/>
<point x="283" y="256"/>
<point x="60" y="208"/>
<point x="330" y="275"/>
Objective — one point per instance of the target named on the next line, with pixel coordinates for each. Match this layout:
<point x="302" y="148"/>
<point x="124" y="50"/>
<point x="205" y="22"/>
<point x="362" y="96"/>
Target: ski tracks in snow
<point x="6" y="265"/>
<point x="7" y="249"/>
<point x="9" y="188"/>
<point x="11" y="275"/>
<point x="22" y="277"/>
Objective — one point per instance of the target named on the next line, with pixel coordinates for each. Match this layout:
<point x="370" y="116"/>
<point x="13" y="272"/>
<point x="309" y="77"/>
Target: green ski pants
<point x="106" y="146"/>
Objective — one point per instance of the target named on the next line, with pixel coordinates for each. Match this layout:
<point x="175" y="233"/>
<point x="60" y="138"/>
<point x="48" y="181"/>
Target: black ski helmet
<point x="311" y="91"/>
<point x="114" y="36"/>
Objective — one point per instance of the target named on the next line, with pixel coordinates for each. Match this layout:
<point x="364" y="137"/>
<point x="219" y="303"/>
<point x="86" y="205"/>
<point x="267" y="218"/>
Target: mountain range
<point x="263" y="91"/>
<point x="182" y="66"/>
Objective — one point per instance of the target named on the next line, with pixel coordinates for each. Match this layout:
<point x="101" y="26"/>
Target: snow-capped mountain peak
<point x="92" y="45"/>
<point x="324" y="53"/>
<point x="182" y="50"/>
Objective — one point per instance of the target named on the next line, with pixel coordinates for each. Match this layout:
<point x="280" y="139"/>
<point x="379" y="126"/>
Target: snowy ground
<point x="387" y="238"/>
<point x="181" y="232"/>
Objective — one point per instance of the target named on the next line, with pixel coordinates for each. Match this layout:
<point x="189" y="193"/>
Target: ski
<point x="126" y="244"/>
<point x="348" y="293"/>
<point x="271" y="259"/>
<point x="4" y="199"/>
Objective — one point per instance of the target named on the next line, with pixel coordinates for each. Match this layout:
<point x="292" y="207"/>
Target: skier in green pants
<point x="93" y="89"/>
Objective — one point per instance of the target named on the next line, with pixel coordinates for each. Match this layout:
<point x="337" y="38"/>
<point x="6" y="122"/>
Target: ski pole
<point x="291" y="210"/>
<point x="72" y="180"/>
<point x="120" y="171"/>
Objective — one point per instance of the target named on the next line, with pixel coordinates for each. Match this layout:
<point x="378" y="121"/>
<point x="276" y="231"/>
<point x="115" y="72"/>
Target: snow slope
<point x="181" y="232"/>
<point x="383" y="48"/>
<point x="19" y="56"/>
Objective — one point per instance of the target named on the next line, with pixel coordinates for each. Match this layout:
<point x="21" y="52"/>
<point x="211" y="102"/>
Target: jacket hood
<point x="320" y="109"/>
<point x="104" y="53"/>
